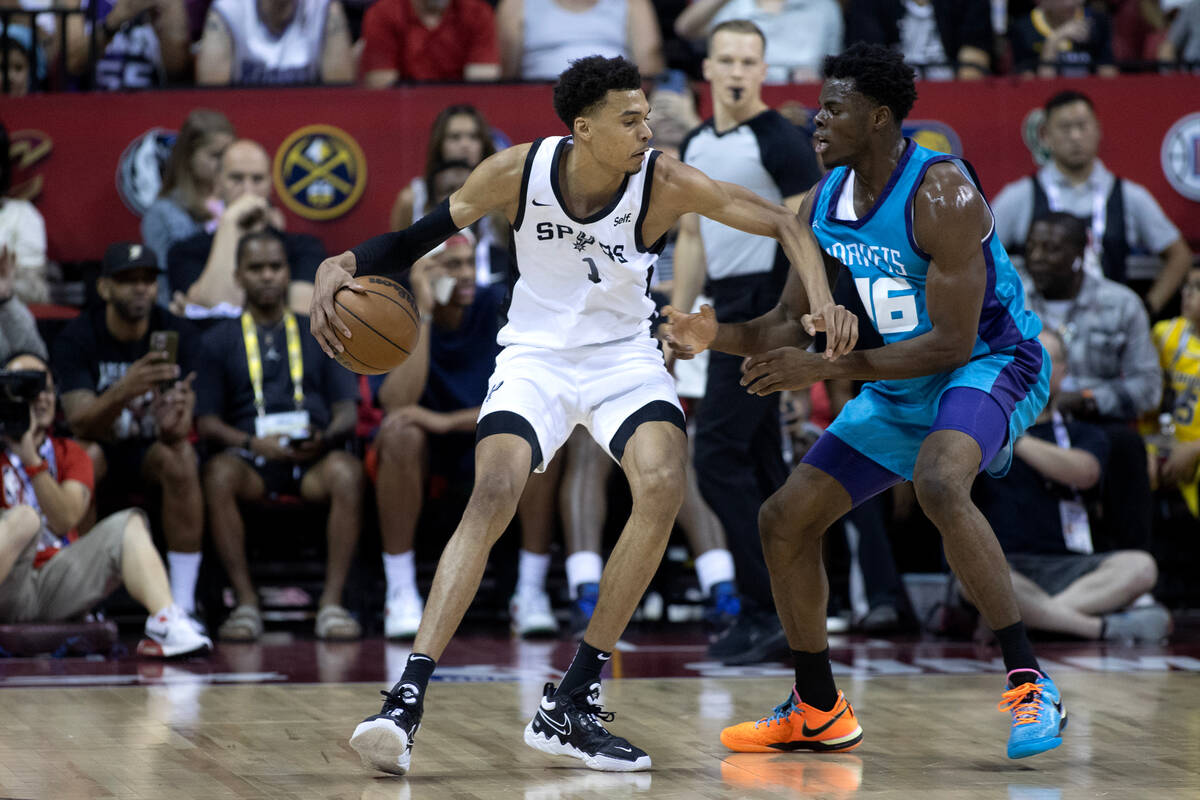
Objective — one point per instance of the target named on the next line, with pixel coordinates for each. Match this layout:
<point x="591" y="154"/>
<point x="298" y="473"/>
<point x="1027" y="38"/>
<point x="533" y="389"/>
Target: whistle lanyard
<point x="254" y="360"/>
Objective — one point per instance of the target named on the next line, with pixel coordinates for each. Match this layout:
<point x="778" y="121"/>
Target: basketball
<point x="384" y="325"/>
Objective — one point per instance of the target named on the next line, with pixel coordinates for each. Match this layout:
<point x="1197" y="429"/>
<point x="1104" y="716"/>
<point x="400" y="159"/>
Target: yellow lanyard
<point x="254" y="360"/>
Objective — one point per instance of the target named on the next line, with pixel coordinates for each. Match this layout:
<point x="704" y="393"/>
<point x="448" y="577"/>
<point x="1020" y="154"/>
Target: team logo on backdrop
<point x="320" y="172"/>
<point x="26" y="149"/>
<point x="1181" y="156"/>
<point x="140" y="168"/>
<point x="933" y="134"/>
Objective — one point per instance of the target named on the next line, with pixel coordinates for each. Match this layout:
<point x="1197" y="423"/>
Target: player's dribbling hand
<point x="334" y="273"/>
<point x="840" y="326"/>
<point x="688" y="334"/>
<point x="782" y="368"/>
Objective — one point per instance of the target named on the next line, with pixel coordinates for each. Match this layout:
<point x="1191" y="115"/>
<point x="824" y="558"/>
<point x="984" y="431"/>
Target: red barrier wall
<point x="88" y="134"/>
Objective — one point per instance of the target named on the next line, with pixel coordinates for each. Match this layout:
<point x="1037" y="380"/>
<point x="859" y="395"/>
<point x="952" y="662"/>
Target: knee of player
<point x="496" y="491"/>
<point x="941" y="493"/>
<point x="660" y="484"/>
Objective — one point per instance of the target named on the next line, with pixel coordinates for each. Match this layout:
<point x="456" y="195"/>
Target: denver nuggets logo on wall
<point x="934" y="135"/>
<point x="1181" y="156"/>
<point x="320" y="172"/>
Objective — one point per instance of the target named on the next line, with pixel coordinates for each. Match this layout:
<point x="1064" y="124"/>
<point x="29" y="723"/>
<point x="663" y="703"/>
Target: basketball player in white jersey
<point x="589" y="213"/>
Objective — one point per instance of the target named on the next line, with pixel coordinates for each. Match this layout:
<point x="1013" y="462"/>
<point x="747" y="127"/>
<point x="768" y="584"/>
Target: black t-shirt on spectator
<point x="223" y="386"/>
<point x="959" y="23"/>
<point x="86" y="356"/>
<point x="186" y="258"/>
<point x="1022" y="507"/>
<point x="1083" y="57"/>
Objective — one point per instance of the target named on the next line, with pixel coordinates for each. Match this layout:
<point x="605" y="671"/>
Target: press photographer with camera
<point x="48" y="573"/>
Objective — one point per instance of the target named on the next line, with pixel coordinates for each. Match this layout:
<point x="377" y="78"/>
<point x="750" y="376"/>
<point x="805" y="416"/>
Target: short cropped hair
<point x="1076" y="228"/>
<point x="738" y="26"/>
<point x="1065" y="98"/>
<point x="584" y="85"/>
<point x="265" y="235"/>
<point x="879" y="73"/>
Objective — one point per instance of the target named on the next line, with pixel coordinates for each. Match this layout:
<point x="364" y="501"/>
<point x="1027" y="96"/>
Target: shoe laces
<point x="588" y="703"/>
<point x="394" y="701"/>
<point x="1025" y="703"/>
<point x="779" y="713"/>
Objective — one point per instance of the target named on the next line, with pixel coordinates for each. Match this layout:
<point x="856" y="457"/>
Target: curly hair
<point x="879" y="73"/>
<point x="585" y="83"/>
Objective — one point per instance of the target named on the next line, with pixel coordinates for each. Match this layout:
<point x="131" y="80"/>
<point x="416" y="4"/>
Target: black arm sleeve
<point x="397" y="251"/>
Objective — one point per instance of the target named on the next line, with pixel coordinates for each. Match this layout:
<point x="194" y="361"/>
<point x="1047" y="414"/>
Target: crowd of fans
<point x="192" y="386"/>
<point x="143" y="44"/>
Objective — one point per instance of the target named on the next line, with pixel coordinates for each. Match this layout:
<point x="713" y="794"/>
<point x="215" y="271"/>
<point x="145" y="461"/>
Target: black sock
<point x="584" y="669"/>
<point x="1018" y="654"/>
<point x="416" y="674"/>
<point x="814" y="679"/>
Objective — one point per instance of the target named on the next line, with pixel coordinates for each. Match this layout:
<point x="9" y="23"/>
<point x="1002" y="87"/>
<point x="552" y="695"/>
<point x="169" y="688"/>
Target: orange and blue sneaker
<point x="794" y="725"/>
<point x="1038" y="716"/>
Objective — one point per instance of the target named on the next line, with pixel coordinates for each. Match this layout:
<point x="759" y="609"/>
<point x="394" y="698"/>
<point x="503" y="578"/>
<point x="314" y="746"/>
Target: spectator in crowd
<point x="18" y="328"/>
<point x="941" y="39"/>
<point x="129" y="398"/>
<point x="1113" y="375"/>
<point x="279" y="411"/>
<point x="274" y="42"/>
<point x="1040" y="516"/>
<point x="540" y="38"/>
<point x="1182" y="42"/>
<point x="1123" y="216"/>
<point x="1062" y="38"/>
<point x="143" y="44"/>
<point x="429" y="40"/>
<point x="186" y="202"/>
<point x="202" y="265"/>
<point x="24" y="60"/>
<point x="432" y="402"/>
<point x="799" y="33"/>
<point x="48" y="573"/>
<point x="22" y="235"/>
<point x="738" y="446"/>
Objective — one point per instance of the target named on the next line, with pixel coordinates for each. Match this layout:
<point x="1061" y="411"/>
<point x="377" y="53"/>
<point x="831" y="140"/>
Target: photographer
<point x="47" y="572"/>
<point x="113" y="394"/>
<point x="281" y="410"/>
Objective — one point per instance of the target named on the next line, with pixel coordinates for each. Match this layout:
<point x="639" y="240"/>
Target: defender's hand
<point x="782" y="368"/>
<point x="840" y="326"/>
<point x="688" y="334"/>
<point x="334" y="273"/>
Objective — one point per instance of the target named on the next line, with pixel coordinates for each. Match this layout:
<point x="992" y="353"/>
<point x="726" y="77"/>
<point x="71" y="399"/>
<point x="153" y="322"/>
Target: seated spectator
<point x="1123" y="216"/>
<point x="1113" y="376"/>
<point x="129" y="399"/>
<point x="432" y="402"/>
<point x="799" y="33"/>
<point x="1062" y="38"/>
<point x="143" y="44"/>
<point x="1182" y="42"/>
<point x="1040" y="516"/>
<point x="25" y="61"/>
<point x="274" y="42"/>
<point x="185" y="202"/>
<point x="429" y="40"/>
<point x="201" y="267"/>
<point x="279" y="411"/>
<point x="540" y="38"/>
<point x="940" y="39"/>
<point x="18" y="328"/>
<point x="22" y="235"/>
<point x="48" y="573"/>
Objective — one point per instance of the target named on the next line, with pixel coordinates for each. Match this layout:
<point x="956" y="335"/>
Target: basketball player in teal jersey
<point x="958" y="378"/>
<point x="589" y="213"/>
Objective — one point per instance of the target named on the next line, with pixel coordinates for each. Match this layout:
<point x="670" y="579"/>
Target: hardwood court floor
<point x="928" y="737"/>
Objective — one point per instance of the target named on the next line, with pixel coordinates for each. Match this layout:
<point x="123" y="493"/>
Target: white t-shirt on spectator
<point x="554" y="36"/>
<point x="260" y="57"/>
<point x="798" y="37"/>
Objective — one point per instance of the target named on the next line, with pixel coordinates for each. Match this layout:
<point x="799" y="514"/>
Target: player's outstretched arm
<point x="494" y="185"/>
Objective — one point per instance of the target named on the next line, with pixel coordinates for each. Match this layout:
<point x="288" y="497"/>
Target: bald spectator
<point x="429" y="40"/>
<point x="201" y="267"/>
<point x="275" y="42"/>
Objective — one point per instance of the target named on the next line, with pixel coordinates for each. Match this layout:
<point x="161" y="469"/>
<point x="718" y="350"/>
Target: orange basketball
<point x="384" y="325"/>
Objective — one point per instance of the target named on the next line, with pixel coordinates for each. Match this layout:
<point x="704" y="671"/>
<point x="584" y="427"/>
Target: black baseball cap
<point x="124" y="256"/>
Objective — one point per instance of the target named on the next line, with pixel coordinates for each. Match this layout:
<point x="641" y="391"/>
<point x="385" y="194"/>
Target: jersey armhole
<point x="525" y="172"/>
<point x="647" y="188"/>
<point x="969" y="172"/>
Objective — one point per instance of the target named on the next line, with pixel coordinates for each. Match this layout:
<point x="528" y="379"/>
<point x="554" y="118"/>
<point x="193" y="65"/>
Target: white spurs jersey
<point x="579" y="281"/>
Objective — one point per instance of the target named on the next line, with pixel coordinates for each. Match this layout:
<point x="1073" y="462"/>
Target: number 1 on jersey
<point x="593" y="273"/>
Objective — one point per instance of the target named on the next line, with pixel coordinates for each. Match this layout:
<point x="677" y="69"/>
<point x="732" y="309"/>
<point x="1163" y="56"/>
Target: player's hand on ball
<point x="840" y="326"/>
<point x="688" y="334"/>
<point x="334" y="273"/>
<point x="780" y="369"/>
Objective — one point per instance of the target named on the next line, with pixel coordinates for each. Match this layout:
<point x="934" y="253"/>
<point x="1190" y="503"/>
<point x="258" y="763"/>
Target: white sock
<point x="531" y="572"/>
<point x="184" y="569"/>
<point x="713" y="567"/>
<point x="583" y="567"/>
<point x="400" y="570"/>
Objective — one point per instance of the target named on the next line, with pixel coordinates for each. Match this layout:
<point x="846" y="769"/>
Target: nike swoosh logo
<point x="536" y="203"/>
<point x="806" y="731"/>
<point x="563" y="728"/>
<point x="626" y="749"/>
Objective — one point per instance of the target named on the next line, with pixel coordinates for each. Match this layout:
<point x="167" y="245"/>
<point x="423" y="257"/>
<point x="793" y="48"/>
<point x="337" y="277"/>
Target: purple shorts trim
<point x="977" y="414"/>
<point x="861" y="477"/>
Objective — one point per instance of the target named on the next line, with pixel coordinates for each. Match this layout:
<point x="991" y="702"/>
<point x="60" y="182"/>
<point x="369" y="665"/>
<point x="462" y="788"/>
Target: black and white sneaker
<point x="570" y="726"/>
<point x="385" y="740"/>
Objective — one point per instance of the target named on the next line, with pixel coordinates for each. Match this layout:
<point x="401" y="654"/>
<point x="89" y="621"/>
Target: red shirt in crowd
<point x="70" y="463"/>
<point x="395" y="39"/>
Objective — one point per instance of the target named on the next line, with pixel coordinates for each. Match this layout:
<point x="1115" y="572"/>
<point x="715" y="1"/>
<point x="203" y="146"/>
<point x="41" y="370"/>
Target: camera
<point x="18" y="389"/>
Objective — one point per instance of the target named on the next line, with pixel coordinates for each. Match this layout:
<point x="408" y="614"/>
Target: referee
<point x="738" y="447"/>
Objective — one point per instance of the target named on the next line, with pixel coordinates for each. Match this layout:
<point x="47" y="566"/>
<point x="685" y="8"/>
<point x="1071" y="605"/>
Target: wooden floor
<point x="927" y="737"/>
